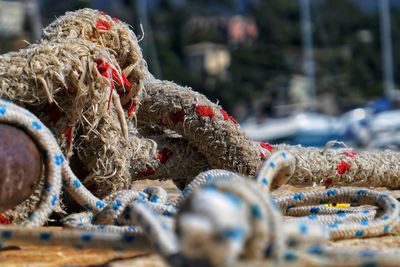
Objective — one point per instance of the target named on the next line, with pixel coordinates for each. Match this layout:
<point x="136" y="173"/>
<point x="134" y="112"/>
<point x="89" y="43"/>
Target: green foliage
<point x="346" y="65"/>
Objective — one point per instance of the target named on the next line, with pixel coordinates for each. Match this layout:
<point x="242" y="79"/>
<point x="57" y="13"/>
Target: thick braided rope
<point x="204" y="124"/>
<point x="70" y="96"/>
<point x="222" y="216"/>
<point x="344" y="166"/>
<point x="216" y="135"/>
<point x="108" y="32"/>
<point x="80" y="104"/>
<point x="199" y="122"/>
<point x="165" y="104"/>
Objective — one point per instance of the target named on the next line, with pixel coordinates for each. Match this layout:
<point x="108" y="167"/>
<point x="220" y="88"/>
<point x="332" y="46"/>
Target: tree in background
<point x="347" y="51"/>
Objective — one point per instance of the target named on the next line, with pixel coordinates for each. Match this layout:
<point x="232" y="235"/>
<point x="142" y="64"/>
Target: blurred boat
<point x="384" y="130"/>
<point x="372" y="127"/>
<point x="358" y="128"/>
<point x="305" y="128"/>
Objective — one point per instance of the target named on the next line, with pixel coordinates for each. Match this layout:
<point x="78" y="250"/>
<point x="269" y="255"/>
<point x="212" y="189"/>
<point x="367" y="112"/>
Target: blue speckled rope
<point x="220" y="218"/>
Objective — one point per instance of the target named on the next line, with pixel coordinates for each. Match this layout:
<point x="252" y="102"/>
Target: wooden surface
<point x="61" y="256"/>
<point x="58" y="256"/>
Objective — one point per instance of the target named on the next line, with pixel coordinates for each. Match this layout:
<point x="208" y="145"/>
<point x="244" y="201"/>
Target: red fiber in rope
<point x="178" y="116"/>
<point x="267" y="146"/>
<point x="68" y="134"/>
<point x="105" y="14"/>
<point x="131" y="108"/>
<point x="350" y="154"/>
<point x="164" y="155"/>
<point x="103" y="25"/>
<point x="4" y="219"/>
<point x="328" y="182"/>
<point x="204" y="111"/>
<point x="149" y="171"/>
<point x="227" y="117"/>
<point x="105" y="70"/>
<point x="343" y="167"/>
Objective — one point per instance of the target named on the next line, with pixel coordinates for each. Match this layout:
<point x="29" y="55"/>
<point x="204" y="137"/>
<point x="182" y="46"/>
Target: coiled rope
<point x="220" y="218"/>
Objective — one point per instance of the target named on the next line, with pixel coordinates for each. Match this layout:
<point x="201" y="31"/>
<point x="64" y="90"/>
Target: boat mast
<point x="386" y="43"/>
<point x="308" y="56"/>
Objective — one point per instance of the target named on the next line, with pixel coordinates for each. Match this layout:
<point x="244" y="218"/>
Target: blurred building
<point x="207" y="59"/>
<point x="12" y="18"/>
<point x="233" y="29"/>
<point x="242" y="29"/>
<point x="20" y="22"/>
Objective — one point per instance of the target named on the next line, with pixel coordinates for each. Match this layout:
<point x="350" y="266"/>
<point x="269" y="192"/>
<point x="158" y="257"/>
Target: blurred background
<point x="295" y="71"/>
